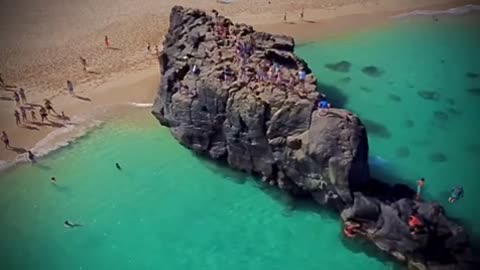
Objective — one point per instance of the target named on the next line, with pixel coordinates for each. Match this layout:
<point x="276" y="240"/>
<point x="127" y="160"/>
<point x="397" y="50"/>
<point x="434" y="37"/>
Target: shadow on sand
<point x="94" y="72"/>
<point x="18" y="150"/>
<point x="114" y="48"/>
<point x="83" y="98"/>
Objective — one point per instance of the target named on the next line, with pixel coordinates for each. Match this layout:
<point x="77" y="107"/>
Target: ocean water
<point x="166" y="209"/>
<point x="169" y="209"/>
<point x="432" y="135"/>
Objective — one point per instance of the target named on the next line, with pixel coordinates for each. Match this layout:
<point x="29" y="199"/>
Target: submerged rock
<point x="438" y="157"/>
<point x="409" y="123"/>
<point x="472" y="75"/>
<point x="395" y="98"/>
<point x="440" y="116"/>
<point x="429" y="95"/>
<point x="372" y="71"/>
<point x="342" y="66"/>
<point x="403" y="152"/>
<point x="226" y="109"/>
<point x="345" y="80"/>
<point x="474" y="91"/>
<point x="365" y="89"/>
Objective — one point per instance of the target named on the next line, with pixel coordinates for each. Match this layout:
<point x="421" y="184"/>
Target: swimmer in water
<point x="54" y="181"/>
<point x="70" y="224"/>
<point x="118" y="166"/>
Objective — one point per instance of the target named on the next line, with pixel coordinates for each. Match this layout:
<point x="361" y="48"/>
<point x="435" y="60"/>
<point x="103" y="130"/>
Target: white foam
<point x="141" y="105"/>
<point x="452" y="11"/>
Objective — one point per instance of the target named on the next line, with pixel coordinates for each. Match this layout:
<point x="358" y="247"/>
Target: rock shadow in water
<point x="376" y="129"/>
<point x="334" y="95"/>
<point x="342" y="66"/>
<point x="222" y="168"/>
<point x="473" y="149"/>
<point x="472" y="75"/>
<point x="409" y="123"/>
<point x="454" y="111"/>
<point x="394" y="97"/>
<point x="372" y="71"/>
<point x="438" y="157"/>
<point x="474" y="91"/>
<point x="402" y="152"/>
<point x="429" y="95"/>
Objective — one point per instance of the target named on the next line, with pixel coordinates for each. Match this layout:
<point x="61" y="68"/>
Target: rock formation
<point x="240" y="96"/>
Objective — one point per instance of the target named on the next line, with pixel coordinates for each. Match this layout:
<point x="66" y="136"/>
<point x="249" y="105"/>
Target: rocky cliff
<point x="243" y="97"/>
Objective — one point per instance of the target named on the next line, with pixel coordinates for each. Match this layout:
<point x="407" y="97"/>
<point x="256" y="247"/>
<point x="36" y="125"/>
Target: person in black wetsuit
<point x="118" y="166"/>
<point x="70" y="224"/>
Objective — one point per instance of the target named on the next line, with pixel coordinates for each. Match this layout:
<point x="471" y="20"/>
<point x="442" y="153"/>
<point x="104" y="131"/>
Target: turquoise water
<point x="414" y="137"/>
<point x="169" y="209"/>
<point x="165" y="209"/>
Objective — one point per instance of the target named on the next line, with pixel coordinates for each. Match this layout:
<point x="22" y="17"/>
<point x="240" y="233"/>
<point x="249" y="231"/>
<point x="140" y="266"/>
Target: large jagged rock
<point x="265" y="128"/>
<point x="274" y="130"/>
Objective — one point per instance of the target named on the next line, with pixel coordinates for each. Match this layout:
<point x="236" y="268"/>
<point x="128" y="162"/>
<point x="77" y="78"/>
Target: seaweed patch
<point x="402" y="152"/>
<point x="454" y="111"/>
<point x="372" y="71"/>
<point x="450" y="101"/>
<point x="429" y="95"/>
<point x="377" y="129"/>
<point x="438" y="157"/>
<point x="342" y="66"/>
<point x="395" y="98"/>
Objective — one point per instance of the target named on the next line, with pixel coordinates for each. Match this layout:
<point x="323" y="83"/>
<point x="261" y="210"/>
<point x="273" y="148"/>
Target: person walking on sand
<point x="420" y="184"/>
<point x="49" y="107"/>
<point x="23" y="97"/>
<point x="2" y="83"/>
<point x="43" y="114"/>
<point x="285" y="17"/>
<point x="5" y="140"/>
<point x="17" y="118"/>
<point x="23" y="111"/>
<point x="70" y="88"/>
<point x="156" y="50"/>
<point x="34" y="117"/>
<point x="107" y="42"/>
<point x="16" y="97"/>
<point x="301" y="14"/>
<point x="84" y="63"/>
<point x="149" y="48"/>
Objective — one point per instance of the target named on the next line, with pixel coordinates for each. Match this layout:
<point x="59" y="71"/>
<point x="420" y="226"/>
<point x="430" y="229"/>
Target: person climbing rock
<point x="457" y="193"/>
<point x="420" y="185"/>
<point x="352" y="229"/>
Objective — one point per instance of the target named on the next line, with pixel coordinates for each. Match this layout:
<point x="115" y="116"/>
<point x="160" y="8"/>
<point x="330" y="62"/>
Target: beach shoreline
<point x="132" y="77"/>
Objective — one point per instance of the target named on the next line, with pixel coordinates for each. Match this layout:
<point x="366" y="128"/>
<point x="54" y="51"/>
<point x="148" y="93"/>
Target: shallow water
<point x="166" y="208"/>
<point x="170" y="209"/>
<point x="419" y="103"/>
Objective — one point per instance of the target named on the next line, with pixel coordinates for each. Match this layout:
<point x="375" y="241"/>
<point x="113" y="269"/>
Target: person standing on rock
<point x="18" y="122"/>
<point x="420" y="184"/>
<point x="31" y="157"/>
<point x="5" y="140"/>
<point x="23" y="97"/>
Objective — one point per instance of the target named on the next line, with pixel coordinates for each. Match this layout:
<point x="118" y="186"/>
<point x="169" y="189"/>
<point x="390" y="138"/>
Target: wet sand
<point x="42" y="51"/>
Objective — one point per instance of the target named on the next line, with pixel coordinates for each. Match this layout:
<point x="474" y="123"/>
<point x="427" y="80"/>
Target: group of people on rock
<point x="415" y="223"/>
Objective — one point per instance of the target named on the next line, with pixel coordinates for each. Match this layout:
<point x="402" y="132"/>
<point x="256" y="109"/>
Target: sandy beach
<point x="42" y="43"/>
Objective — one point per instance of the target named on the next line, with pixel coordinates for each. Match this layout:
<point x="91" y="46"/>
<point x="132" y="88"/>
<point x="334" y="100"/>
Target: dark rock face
<point x="268" y="128"/>
<point x="441" y="246"/>
<point x="247" y="108"/>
